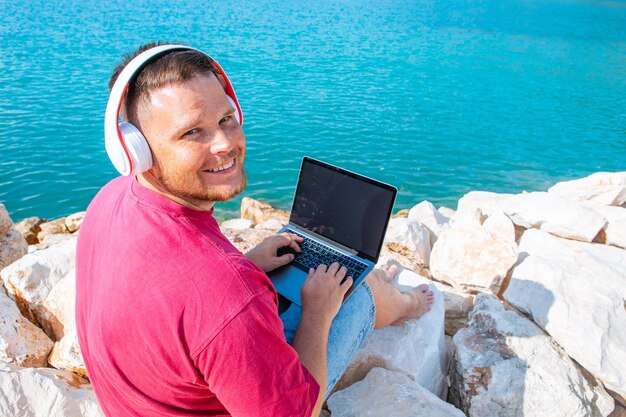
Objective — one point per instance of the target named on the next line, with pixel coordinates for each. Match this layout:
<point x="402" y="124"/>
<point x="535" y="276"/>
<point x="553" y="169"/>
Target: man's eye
<point x="226" y="119"/>
<point x="191" y="132"/>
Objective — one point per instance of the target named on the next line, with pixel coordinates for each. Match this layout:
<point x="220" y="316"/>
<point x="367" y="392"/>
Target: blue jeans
<point x="354" y="321"/>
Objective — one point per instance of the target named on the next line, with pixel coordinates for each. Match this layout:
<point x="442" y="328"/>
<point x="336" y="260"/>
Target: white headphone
<point x="125" y="144"/>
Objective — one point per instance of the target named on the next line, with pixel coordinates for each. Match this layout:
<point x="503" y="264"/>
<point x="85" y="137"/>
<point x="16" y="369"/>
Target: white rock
<point x="237" y="224"/>
<point x="507" y="366"/>
<point x="74" y="221"/>
<point x="51" y="228"/>
<point x="29" y="280"/>
<point x="45" y="392"/>
<point x="500" y="225"/>
<point x="51" y="240"/>
<point x="66" y="355"/>
<point x="485" y="201"/>
<point x="576" y="292"/>
<point x="246" y="239"/>
<point x="446" y="212"/>
<point x="416" y="347"/>
<point x="21" y="342"/>
<point x="608" y="188"/>
<point x="272" y="225"/>
<point x="426" y="214"/>
<point x="6" y="224"/>
<point x="457" y="305"/>
<point x="410" y="234"/>
<point x="258" y="212"/>
<point x="615" y="229"/>
<point x="554" y="214"/>
<point x="12" y="247"/>
<point x="471" y="258"/>
<point x="387" y="393"/>
<point x="58" y="309"/>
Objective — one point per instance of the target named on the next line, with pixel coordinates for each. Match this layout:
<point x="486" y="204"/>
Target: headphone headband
<point x="122" y="155"/>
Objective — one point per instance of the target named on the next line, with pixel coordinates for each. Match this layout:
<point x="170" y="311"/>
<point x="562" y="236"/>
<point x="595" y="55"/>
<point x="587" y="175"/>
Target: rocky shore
<point x="529" y="317"/>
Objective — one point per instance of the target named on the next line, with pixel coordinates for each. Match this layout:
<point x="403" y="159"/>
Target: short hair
<point x="170" y="68"/>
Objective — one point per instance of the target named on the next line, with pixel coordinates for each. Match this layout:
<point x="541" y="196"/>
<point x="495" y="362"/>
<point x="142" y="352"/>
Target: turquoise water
<point x="436" y="97"/>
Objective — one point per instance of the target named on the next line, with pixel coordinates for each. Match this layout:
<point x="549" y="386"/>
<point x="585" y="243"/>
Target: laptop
<point x="342" y="217"/>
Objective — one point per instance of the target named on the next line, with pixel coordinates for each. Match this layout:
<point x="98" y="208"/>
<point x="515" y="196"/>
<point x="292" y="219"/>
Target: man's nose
<point x="221" y="142"/>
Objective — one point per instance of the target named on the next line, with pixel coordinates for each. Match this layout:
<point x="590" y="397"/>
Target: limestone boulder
<point x="388" y="393"/>
<point x="236" y="224"/>
<point x="608" y="188"/>
<point x="12" y="247"/>
<point x="485" y="201"/>
<point x="73" y="221"/>
<point x="471" y="258"/>
<point x="12" y="244"/>
<point x="576" y="292"/>
<point x="615" y="230"/>
<point x="30" y="279"/>
<point x="500" y="225"/>
<point x="401" y="213"/>
<point x="410" y="234"/>
<point x="66" y="355"/>
<point x="52" y="240"/>
<point x="457" y="306"/>
<point x="246" y="239"/>
<point x="417" y="347"/>
<point x="554" y="214"/>
<point x="404" y="257"/>
<point x="45" y="392"/>
<point x="446" y="212"/>
<point x="30" y="228"/>
<point x="53" y="227"/>
<point x="258" y="212"/>
<point x="507" y="366"/>
<point x="6" y="224"/>
<point x="21" y="342"/>
<point x="273" y="225"/>
<point x="57" y="312"/>
<point x="426" y="214"/>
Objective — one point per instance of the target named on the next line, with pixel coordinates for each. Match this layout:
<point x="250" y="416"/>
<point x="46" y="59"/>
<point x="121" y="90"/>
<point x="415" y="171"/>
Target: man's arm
<point x="322" y="295"/>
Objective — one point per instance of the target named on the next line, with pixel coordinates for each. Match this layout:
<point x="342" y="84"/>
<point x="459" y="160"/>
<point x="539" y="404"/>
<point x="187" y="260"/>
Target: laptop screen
<point x="343" y="206"/>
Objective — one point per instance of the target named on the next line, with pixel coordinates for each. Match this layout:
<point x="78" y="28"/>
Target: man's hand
<point x="323" y="291"/>
<point x="265" y="253"/>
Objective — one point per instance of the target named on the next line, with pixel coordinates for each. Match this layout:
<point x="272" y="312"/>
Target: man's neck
<point x="148" y="181"/>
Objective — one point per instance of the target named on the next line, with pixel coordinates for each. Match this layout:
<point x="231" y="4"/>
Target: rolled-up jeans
<point x="354" y="321"/>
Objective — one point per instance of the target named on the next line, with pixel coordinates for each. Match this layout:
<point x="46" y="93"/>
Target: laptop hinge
<point x="330" y="242"/>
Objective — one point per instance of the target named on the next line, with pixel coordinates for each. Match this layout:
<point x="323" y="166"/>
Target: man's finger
<point x="285" y="259"/>
<point x="341" y="273"/>
<point x="295" y="237"/>
<point x="333" y="268"/>
<point x="294" y="245"/>
<point x="346" y="284"/>
<point x="322" y="268"/>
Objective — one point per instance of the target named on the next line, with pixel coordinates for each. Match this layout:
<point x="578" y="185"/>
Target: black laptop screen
<point x="343" y="206"/>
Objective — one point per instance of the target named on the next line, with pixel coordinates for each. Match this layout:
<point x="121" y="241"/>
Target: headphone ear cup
<point x="138" y="149"/>
<point x="232" y="103"/>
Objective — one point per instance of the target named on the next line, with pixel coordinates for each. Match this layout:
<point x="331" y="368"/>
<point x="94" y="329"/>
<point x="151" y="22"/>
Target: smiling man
<point x="172" y="319"/>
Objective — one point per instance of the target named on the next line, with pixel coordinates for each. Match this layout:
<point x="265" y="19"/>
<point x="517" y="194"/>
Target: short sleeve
<point x="252" y="369"/>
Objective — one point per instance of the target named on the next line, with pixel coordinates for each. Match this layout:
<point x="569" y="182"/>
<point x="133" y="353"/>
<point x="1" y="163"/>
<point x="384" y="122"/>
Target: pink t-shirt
<point x="173" y="320"/>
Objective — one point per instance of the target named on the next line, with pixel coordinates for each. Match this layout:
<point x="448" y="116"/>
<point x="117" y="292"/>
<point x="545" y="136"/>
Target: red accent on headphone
<point x="230" y="91"/>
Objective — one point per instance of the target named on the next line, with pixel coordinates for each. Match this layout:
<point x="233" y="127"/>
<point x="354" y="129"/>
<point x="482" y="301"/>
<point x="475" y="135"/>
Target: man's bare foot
<point x="419" y="302"/>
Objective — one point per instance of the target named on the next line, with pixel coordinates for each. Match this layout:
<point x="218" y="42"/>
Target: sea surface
<point x="435" y="97"/>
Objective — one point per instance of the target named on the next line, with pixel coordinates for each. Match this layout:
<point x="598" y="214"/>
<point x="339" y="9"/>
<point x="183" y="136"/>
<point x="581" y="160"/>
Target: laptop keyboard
<point x="314" y="254"/>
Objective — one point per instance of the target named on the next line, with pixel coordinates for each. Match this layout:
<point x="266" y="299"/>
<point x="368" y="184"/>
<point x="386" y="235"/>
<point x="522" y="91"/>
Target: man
<point x="172" y="319"/>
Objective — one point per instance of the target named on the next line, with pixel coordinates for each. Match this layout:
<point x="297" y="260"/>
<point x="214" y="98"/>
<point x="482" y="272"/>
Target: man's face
<point x="197" y="145"/>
